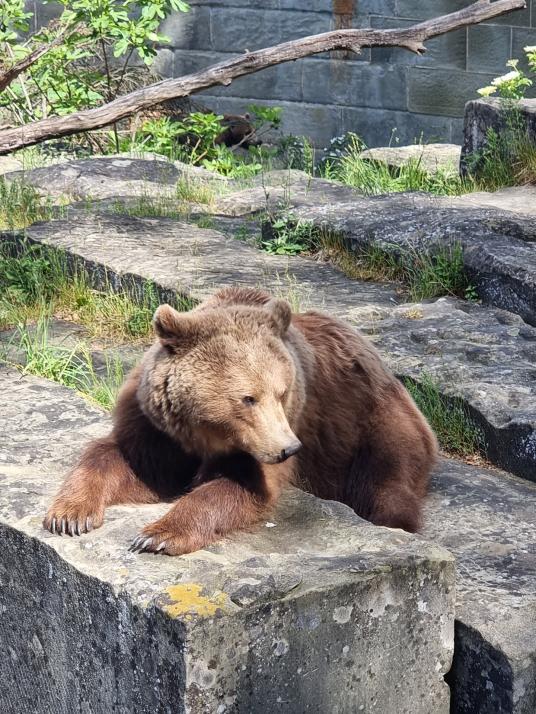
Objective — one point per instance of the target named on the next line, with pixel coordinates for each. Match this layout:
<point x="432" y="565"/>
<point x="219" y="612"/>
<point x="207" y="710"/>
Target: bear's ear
<point x="172" y="327"/>
<point x="281" y="314"/>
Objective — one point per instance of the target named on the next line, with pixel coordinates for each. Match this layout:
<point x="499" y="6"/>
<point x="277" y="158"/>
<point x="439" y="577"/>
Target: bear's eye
<point x="249" y="401"/>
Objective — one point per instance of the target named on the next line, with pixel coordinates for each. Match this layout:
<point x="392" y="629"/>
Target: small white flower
<point x="531" y="48"/>
<point x="508" y="77"/>
<point x="512" y="63"/>
<point x="487" y="91"/>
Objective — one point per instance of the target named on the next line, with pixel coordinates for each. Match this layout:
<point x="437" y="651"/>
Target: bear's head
<point x="225" y="380"/>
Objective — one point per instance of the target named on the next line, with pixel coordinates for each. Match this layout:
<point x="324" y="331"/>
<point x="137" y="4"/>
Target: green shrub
<point x="508" y="158"/>
<point x="92" y="64"/>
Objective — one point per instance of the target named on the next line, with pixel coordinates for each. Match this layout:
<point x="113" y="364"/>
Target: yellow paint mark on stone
<point x="187" y="601"/>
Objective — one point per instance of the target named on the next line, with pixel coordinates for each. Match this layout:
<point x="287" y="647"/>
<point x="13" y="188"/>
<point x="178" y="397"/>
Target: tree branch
<point x="224" y="73"/>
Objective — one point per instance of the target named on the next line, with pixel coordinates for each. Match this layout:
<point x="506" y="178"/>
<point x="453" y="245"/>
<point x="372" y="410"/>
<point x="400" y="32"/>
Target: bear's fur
<point x="216" y="413"/>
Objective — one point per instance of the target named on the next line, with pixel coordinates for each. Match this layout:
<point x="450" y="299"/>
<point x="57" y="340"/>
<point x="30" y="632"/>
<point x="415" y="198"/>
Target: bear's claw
<point x="65" y="526"/>
<point x="142" y="544"/>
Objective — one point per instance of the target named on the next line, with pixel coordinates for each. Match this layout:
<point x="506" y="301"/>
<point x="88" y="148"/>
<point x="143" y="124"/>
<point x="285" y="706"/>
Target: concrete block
<point x="43" y="14"/>
<point x="320" y="612"/>
<point x="187" y="61"/>
<point x="448" y="51"/>
<point x="261" y="4"/>
<point x="344" y="82"/>
<point x="442" y="92"/>
<point x="377" y="7"/>
<point x="416" y="9"/>
<point x="379" y="127"/>
<point x="280" y="82"/>
<point x="325" y="6"/>
<point x="523" y="38"/>
<point x="488" y="48"/>
<point x="456" y="130"/>
<point x="484" y="114"/>
<point x="518" y="18"/>
<point x="189" y="30"/>
<point x="252" y="30"/>
<point x="163" y="63"/>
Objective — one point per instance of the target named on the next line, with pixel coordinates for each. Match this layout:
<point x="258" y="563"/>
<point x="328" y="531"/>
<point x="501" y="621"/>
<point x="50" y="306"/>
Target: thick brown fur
<point x="215" y="415"/>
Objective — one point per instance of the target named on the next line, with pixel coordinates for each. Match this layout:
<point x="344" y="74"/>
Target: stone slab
<point x="498" y="240"/>
<point x="485" y="356"/>
<point x="9" y="164"/>
<point x="193" y="261"/>
<point x="431" y="157"/>
<point x="109" y="176"/>
<point x="488" y="521"/>
<point x="314" y="611"/>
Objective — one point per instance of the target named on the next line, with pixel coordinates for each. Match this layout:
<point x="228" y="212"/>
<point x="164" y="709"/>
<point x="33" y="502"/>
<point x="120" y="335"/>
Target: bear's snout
<point x="288" y="451"/>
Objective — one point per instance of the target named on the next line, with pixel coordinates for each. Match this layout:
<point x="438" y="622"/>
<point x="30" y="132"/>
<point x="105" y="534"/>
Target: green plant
<point x="289" y="236"/>
<point x="423" y="275"/>
<point x="228" y="163"/>
<point x="195" y="191"/>
<point x="151" y="207"/>
<point x="71" y="367"/>
<point x="93" y="61"/>
<point x="456" y="431"/>
<point x="508" y="157"/>
<point x="297" y="152"/>
<point x="21" y="205"/>
<point x="432" y="275"/>
<point x="35" y="281"/>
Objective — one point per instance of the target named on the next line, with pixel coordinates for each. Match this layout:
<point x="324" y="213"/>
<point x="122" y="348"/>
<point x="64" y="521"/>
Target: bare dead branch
<point x="224" y="73"/>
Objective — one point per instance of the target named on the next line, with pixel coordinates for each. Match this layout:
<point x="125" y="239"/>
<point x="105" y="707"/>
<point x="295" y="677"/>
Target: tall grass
<point x="373" y="177"/>
<point x="422" y="276"/>
<point x="456" y="431"/>
<point x="21" y="205"/>
<point x="71" y="367"/>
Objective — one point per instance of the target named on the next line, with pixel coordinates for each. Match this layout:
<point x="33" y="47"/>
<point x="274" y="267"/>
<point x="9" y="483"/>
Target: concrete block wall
<point x="382" y="92"/>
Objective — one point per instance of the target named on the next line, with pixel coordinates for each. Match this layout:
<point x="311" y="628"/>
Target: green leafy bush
<point x="93" y="62"/>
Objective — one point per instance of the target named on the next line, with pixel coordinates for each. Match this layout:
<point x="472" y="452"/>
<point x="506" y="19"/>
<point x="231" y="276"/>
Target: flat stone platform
<point x="313" y="611"/>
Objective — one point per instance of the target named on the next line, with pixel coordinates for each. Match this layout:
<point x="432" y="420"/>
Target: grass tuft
<point x="422" y="276"/>
<point x="21" y="205"/>
<point x="71" y="367"/>
<point x="456" y="431"/>
<point x="36" y="281"/>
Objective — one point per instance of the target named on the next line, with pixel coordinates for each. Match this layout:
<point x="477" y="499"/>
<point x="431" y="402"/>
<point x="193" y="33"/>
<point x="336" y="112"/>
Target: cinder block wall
<point x="380" y="91"/>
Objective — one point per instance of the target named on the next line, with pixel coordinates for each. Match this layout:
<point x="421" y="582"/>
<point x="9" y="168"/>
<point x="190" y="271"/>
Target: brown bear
<point x="236" y="399"/>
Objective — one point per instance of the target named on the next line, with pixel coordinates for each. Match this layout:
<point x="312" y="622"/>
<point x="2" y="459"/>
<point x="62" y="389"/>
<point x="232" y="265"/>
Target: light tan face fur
<point x="223" y="380"/>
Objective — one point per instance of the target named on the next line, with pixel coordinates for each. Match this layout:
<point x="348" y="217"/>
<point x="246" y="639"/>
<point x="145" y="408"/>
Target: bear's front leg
<point x="215" y="508"/>
<point x="101" y="478"/>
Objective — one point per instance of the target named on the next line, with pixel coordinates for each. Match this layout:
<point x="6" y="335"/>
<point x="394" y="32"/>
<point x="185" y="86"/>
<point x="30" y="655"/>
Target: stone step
<point x="179" y="257"/>
<point x="271" y="587"/>
<point x="314" y="611"/>
<point x="487" y="520"/>
<point x="499" y="244"/>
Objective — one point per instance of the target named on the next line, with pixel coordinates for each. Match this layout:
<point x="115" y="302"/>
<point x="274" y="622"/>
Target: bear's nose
<point x="289" y="451"/>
